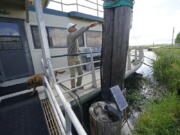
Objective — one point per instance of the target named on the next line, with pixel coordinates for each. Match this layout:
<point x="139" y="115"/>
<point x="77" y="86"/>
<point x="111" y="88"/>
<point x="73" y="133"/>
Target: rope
<point x="118" y="3"/>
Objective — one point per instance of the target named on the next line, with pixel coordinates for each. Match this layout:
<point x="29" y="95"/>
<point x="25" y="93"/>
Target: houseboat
<point x="33" y="41"/>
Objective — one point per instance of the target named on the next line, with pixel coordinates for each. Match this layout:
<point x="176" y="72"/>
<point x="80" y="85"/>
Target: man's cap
<point x="70" y="25"/>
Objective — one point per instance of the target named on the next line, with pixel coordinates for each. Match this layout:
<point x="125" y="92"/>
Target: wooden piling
<point x="100" y="123"/>
<point x="115" y="44"/>
<point x="106" y="52"/>
<point x="122" y="18"/>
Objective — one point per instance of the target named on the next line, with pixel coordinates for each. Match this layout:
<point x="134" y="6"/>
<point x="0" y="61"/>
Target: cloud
<point x="154" y="20"/>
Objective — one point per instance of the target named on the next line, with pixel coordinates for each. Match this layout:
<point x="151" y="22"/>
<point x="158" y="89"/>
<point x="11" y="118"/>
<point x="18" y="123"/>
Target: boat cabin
<point x="20" y="49"/>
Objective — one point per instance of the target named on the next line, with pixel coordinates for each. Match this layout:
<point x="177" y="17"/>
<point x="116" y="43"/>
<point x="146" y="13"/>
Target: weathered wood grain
<point x="107" y="46"/>
<point x="122" y="18"/>
<point x="99" y="127"/>
<point x="115" y="44"/>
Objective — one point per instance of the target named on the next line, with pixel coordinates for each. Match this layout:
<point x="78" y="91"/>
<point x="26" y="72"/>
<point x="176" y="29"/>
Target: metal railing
<point x="95" y="5"/>
<point x="132" y="60"/>
<point x="68" y="118"/>
<point x="136" y="58"/>
<point x="92" y="62"/>
<point x="64" y="121"/>
<point x="51" y="87"/>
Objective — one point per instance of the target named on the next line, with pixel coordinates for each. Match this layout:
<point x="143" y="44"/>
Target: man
<point x="73" y="48"/>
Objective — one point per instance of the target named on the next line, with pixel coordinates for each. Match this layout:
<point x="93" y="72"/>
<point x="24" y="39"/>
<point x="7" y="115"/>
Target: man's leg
<point x="72" y="71"/>
<point x="72" y="74"/>
<point x="80" y="72"/>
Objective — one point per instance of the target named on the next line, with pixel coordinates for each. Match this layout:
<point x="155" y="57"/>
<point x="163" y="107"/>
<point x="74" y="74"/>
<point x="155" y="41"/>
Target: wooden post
<point x="100" y="123"/>
<point x="106" y="52"/>
<point x="122" y="18"/>
<point x="115" y="44"/>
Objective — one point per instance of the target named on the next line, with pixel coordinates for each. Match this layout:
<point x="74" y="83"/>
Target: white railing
<point x="65" y="120"/>
<point x="96" y="6"/>
<point x="51" y="87"/>
<point x="132" y="60"/>
<point x="93" y="70"/>
<point x="69" y="118"/>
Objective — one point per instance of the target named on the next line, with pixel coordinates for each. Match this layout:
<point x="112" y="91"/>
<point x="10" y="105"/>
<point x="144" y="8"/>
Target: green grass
<point x="160" y="118"/>
<point x="167" y="68"/>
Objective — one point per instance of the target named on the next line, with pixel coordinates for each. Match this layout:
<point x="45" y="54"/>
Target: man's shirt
<point x="72" y="37"/>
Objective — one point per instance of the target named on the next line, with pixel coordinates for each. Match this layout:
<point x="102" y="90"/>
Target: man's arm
<point x="79" y="32"/>
<point x="83" y="29"/>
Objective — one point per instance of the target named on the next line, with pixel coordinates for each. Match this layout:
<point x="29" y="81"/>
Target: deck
<point x="134" y="61"/>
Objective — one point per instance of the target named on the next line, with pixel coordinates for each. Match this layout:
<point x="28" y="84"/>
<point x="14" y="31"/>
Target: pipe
<point x="80" y="130"/>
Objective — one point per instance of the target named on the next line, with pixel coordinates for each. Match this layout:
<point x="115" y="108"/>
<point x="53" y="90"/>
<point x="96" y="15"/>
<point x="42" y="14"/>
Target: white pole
<point x="80" y="130"/>
<point x="46" y="57"/>
<point x="94" y="83"/>
<point x="135" y="56"/>
<point x="173" y="36"/>
<point x="51" y="96"/>
<point x="68" y="124"/>
<point x="43" y="38"/>
<point x="129" y="60"/>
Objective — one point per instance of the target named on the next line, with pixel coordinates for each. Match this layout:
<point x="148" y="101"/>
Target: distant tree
<point x="177" y="38"/>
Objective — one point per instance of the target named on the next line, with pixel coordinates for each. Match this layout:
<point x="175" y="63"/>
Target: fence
<point x="96" y="6"/>
<point x="133" y="60"/>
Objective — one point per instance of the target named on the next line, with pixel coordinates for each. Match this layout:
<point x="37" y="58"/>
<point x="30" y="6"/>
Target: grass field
<point x="167" y="68"/>
<point x="162" y="116"/>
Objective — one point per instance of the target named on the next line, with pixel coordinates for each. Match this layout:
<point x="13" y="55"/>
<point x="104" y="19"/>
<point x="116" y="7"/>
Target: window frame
<point x="19" y="36"/>
<point x="87" y="38"/>
<point x="33" y="36"/>
<point x="48" y="36"/>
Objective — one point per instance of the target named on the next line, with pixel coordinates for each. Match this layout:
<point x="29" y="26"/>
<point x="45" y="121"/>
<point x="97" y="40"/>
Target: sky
<point x="153" y="20"/>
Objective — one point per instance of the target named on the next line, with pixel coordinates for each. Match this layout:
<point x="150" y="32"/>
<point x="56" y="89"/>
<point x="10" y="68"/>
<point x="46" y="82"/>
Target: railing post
<point x="94" y="83"/>
<point x="129" y="60"/>
<point x="68" y="124"/>
<point x="61" y="5"/>
<point x="51" y="71"/>
<point x="141" y="54"/>
<point x="77" y="5"/>
<point x="135" y="56"/>
<point x="97" y="8"/>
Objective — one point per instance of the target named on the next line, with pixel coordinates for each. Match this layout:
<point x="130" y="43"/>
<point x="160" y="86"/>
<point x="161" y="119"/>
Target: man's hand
<point x="93" y="24"/>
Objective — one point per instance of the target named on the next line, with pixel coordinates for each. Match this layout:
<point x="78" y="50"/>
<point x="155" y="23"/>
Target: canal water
<point x="140" y="86"/>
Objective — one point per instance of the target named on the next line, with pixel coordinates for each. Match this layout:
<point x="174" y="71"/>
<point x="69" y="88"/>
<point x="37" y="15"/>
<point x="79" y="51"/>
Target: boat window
<point x="94" y="38"/>
<point x="9" y="36"/>
<point x="56" y="37"/>
<point x="36" y="38"/>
